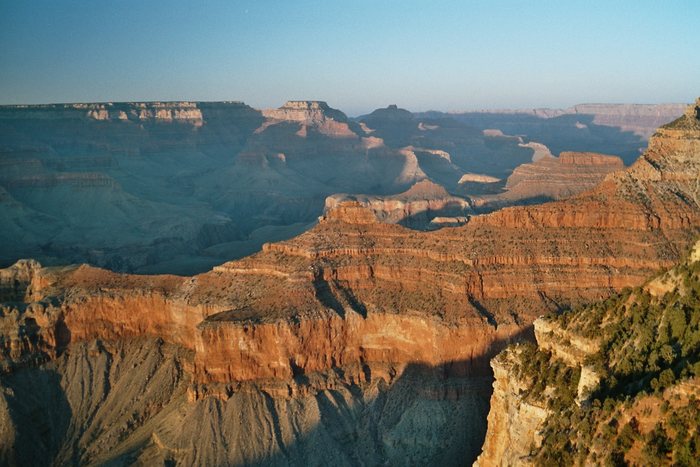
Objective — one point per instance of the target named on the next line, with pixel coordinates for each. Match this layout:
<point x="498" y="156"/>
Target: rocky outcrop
<point x="314" y="114"/>
<point x="186" y="112"/>
<point x="570" y="348"/>
<point x="539" y="150"/>
<point x="306" y="111"/>
<point x="552" y="178"/>
<point x="415" y="208"/>
<point x="477" y="178"/>
<point x="513" y="422"/>
<point x="613" y="350"/>
<point x="516" y="414"/>
<point x="348" y="211"/>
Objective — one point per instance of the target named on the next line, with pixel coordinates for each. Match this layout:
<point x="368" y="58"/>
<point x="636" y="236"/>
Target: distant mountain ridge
<point x="583" y="127"/>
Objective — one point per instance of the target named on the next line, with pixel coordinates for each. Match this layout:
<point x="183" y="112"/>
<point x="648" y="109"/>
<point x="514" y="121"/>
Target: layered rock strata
<point x="316" y="114"/>
<point x="349" y="274"/>
<point x="187" y="112"/>
<point x="553" y="178"/>
<point x="610" y="397"/>
<point x="416" y="207"/>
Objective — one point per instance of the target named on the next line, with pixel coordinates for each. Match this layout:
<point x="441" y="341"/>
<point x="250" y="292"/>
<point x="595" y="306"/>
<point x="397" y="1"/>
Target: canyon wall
<point x="349" y="274"/>
<point x="178" y="187"/>
<point x="552" y="178"/>
<point x="593" y="389"/>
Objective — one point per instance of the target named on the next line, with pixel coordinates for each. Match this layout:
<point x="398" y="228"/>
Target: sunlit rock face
<point x="594" y="346"/>
<point x="552" y="178"/>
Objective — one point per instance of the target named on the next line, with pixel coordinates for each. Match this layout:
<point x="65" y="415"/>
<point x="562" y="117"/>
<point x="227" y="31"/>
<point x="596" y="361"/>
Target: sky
<point x="357" y="55"/>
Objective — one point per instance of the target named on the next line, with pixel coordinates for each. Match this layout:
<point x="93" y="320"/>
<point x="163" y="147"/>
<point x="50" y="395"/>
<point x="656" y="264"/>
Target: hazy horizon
<point x="451" y="56"/>
<point x="356" y="115"/>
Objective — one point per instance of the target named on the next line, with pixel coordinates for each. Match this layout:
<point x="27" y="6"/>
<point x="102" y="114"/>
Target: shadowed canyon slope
<point x="178" y="187"/>
<point x="365" y="340"/>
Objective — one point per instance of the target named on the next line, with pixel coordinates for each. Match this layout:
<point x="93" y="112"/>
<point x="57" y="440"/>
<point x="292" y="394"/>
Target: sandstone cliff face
<point x="314" y="114"/>
<point x="570" y="173"/>
<point x="138" y="412"/>
<point x="516" y="415"/>
<point x="47" y="310"/>
<point x="513" y="422"/>
<point x="553" y="178"/>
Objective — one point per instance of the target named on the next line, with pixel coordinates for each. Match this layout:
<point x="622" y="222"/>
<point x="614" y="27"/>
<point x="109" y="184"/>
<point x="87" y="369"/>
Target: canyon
<point x="357" y="341"/>
<point x="180" y="187"/>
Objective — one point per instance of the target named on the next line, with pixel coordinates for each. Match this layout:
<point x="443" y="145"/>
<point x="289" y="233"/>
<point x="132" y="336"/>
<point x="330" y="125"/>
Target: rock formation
<point x="514" y="422"/>
<point x="613" y="382"/>
<point x="446" y="149"/>
<point x="552" y="178"/>
<point x="315" y="114"/>
<point x="416" y="207"/>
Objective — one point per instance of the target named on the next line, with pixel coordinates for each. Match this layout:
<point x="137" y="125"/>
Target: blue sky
<point x="357" y="55"/>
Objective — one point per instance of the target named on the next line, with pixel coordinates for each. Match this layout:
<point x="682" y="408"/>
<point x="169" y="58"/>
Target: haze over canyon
<point x="179" y="187"/>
